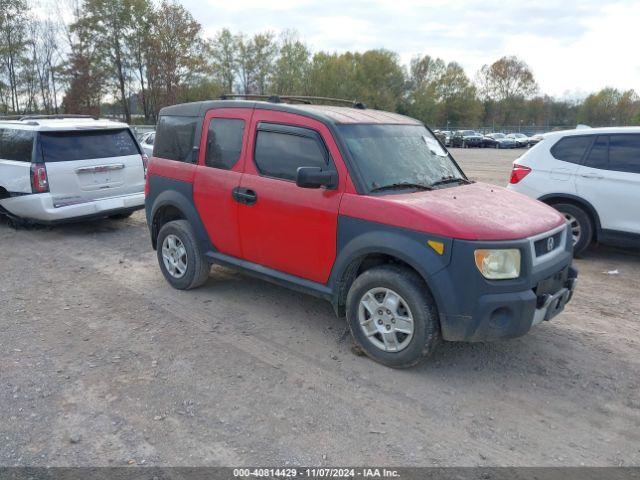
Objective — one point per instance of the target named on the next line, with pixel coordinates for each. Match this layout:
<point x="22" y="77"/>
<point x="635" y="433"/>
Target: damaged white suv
<point x="56" y="169"/>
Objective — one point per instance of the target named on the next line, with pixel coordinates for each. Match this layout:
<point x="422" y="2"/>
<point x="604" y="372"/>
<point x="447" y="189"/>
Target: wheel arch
<point x="555" y="198"/>
<point x="172" y="205"/>
<point x="376" y="248"/>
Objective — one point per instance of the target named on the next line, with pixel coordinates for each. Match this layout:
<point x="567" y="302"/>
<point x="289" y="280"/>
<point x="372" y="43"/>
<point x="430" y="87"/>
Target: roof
<point x="592" y="131"/>
<point x="53" y="124"/>
<point x="325" y="113"/>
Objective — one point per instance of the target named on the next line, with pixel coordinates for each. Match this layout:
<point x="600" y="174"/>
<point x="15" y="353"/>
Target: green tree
<point x="609" y="106"/>
<point x="457" y="96"/>
<point x="112" y="22"/>
<point x="291" y="70"/>
<point x="13" y="49"/>
<point x="223" y="51"/>
<point x="175" y="54"/>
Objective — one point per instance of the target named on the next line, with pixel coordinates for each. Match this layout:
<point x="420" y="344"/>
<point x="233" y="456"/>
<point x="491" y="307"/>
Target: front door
<point x="286" y="227"/>
<point x="222" y="152"/>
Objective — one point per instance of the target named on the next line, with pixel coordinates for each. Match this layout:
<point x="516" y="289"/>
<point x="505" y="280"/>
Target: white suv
<point x="590" y="175"/>
<point x="60" y="168"/>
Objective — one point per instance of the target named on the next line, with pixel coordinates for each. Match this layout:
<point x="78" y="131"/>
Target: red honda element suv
<point x="361" y="207"/>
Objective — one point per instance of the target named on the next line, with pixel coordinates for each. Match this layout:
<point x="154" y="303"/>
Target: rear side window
<point x="280" y="154"/>
<point x="224" y="142"/>
<point x="571" y="149"/>
<point x="86" y="145"/>
<point x="624" y="153"/>
<point x="599" y="154"/>
<point x="174" y="138"/>
<point x="16" y="145"/>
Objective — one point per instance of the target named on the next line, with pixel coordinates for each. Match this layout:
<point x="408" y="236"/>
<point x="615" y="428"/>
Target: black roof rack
<point x="45" y="117"/>
<point x="305" y="99"/>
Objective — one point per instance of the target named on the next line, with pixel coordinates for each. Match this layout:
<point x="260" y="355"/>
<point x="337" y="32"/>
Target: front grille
<point x="548" y="244"/>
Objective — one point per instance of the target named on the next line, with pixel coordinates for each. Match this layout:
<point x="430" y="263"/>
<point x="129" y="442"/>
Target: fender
<point x="358" y="238"/>
<point x="178" y="194"/>
<point x="590" y="208"/>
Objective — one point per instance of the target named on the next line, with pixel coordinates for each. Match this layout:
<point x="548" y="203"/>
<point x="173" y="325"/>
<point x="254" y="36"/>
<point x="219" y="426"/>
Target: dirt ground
<point x="102" y="363"/>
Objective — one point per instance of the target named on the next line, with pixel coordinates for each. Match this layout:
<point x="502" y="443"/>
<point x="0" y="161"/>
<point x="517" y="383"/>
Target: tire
<point x="580" y="219"/>
<point x="415" y="302"/>
<point x="120" y="216"/>
<point x="190" y="272"/>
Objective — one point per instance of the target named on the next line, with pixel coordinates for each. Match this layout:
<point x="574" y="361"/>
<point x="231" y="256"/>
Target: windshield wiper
<point x="446" y="180"/>
<point x="393" y="186"/>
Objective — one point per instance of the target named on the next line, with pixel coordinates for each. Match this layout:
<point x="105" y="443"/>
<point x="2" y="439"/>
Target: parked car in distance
<point x="498" y="140"/>
<point x="466" y="139"/>
<point x="522" y="141"/>
<point x="447" y="137"/>
<point x="59" y="168"/>
<point x="592" y="177"/>
<point x="535" y="139"/>
<point x="441" y="136"/>
<point x="360" y="207"/>
<point x="146" y="142"/>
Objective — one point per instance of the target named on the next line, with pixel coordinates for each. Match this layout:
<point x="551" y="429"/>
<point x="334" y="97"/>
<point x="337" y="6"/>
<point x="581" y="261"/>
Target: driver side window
<point x="280" y="154"/>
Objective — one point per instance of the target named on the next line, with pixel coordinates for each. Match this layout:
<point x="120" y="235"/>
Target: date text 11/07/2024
<point x="316" y="472"/>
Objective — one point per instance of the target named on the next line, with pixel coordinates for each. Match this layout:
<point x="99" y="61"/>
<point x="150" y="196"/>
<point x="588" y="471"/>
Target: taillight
<point x="518" y="173"/>
<point x="39" y="180"/>
<point x="145" y="162"/>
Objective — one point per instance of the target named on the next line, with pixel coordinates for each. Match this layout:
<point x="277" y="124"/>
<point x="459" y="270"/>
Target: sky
<point x="573" y="47"/>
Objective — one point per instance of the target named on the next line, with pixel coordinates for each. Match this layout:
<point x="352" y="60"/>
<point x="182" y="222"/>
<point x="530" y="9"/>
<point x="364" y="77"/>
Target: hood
<point x="470" y="212"/>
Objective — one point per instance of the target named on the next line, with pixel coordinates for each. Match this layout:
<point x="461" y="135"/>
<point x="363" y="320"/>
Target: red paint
<point x="162" y="167"/>
<point x="470" y="212"/>
<point x="291" y="229"/>
<point x="212" y="187"/>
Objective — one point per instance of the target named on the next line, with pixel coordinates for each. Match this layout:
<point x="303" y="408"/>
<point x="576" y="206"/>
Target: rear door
<point x="223" y="149"/>
<point x="610" y="181"/>
<point x="89" y="165"/>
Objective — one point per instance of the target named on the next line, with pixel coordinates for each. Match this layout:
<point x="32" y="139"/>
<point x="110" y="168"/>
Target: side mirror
<point x="315" y="177"/>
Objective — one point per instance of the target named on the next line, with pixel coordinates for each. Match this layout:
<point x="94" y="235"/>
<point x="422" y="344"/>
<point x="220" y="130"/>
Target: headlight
<point x="498" y="264"/>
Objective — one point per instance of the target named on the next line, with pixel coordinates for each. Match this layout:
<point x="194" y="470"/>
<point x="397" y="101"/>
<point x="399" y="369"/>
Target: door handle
<point x="593" y="176"/>
<point x="245" y="196"/>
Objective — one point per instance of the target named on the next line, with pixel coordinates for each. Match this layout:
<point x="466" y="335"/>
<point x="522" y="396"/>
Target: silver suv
<point x="59" y="168"/>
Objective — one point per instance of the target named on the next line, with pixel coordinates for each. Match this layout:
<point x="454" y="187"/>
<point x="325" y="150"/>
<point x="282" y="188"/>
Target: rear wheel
<point x="181" y="261"/>
<point x="392" y="316"/>
<point x="581" y="226"/>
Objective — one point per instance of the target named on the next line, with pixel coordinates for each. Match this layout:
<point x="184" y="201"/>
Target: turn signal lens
<point x="498" y="264"/>
<point x="518" y="173"/>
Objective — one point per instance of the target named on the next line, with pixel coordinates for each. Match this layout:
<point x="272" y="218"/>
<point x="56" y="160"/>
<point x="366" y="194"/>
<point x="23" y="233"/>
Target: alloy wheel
<point x="385" y="319"/>
<point x="174" y="256"/>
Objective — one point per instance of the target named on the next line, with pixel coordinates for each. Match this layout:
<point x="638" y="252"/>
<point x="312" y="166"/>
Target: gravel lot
<point x="102" y="363"/>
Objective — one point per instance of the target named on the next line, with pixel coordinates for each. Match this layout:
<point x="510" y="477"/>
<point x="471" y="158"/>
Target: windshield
<point x="398" y="154"/>
<point x="499" y="135"/>
<point x="469" y="132"/>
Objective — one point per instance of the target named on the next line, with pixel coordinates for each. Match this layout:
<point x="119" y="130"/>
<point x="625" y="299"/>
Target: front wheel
<point x="181" y="261"/>
<point x="581" y="226"/>
<point x="392" y="316"/>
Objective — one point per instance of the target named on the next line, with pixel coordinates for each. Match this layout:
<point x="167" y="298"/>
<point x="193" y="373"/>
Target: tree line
<point x="132" y="57"/>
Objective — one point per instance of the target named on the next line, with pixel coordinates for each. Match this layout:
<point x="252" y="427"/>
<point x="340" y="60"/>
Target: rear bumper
<point x="38" y="208"/>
